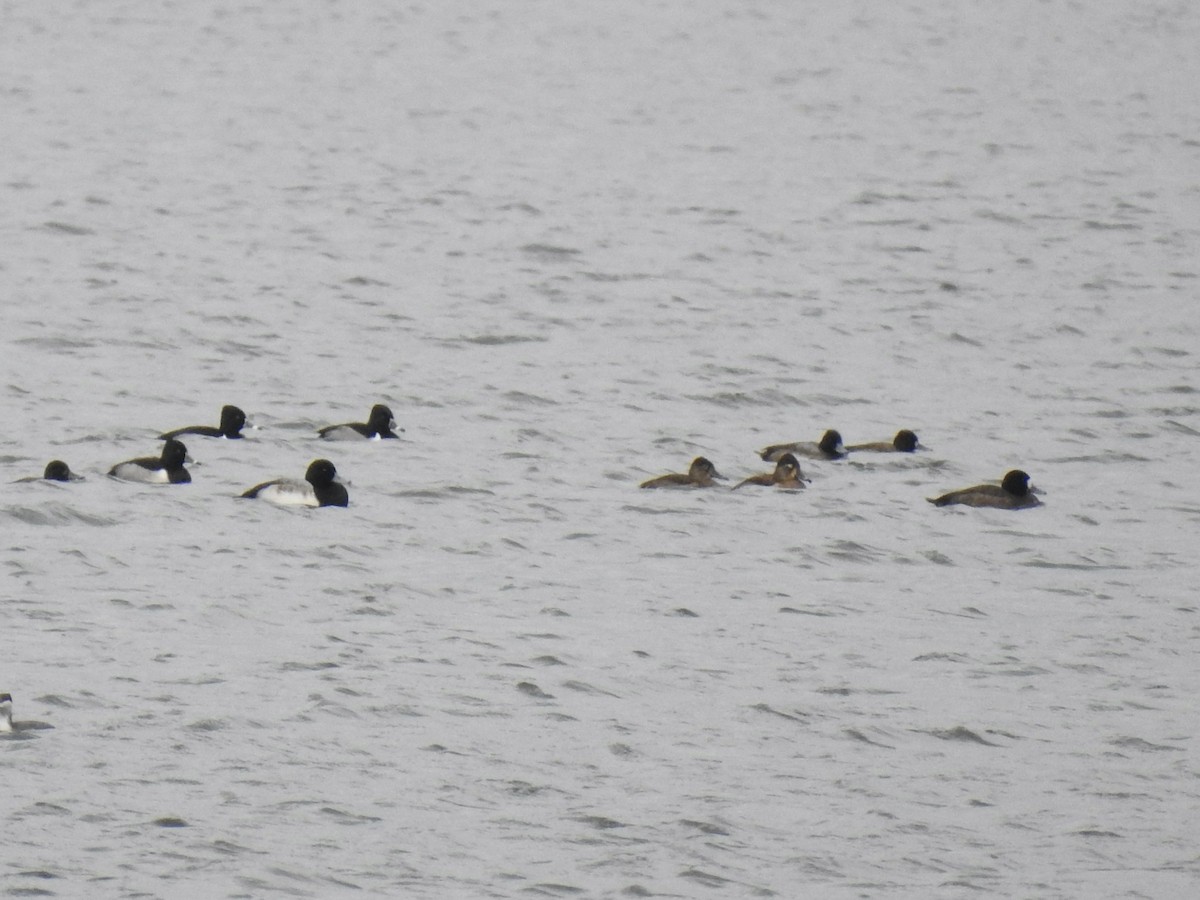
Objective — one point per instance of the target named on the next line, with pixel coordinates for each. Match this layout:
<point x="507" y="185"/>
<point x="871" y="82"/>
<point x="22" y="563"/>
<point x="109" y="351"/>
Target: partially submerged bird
<point x="165" y="469"/>
<point x="232" y="420"/>
<point x="905" y="441"/>
<point x="379" y="424"/>
<point x="57" y="470"/>
<point x="829" y="447"/>
<point x="787" y="475"/>
<point x="699" y="474"/>
<point x="1013" y="492"/>
<point x="319" y="488"/>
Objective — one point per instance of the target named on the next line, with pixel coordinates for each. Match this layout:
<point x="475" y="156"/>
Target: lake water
<point x="574" y="246"/>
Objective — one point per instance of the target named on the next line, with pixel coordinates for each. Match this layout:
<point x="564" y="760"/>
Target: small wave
<point x="207" y="725"/>
<point x="1094" y="225"/>
<point x="56" y="343"/>
<point x="55" y="514"/>
<point x="554" y="889"/>
<point x="67" y="228"/>
<point x="498" y="340"/>
<point x="617" y="276"/>
<point x="937" y="558"/>
<point x="1086" y="566"/>
<point x="307" y="667"/>
<point x="550" y="252"/>
<point x="709" y="879"/>
<point x="346" y="818"/>
<point x="704" y="827"/>
<point x="853" y="551"/>
<point x="736" y="399"/>
<point x="529" y="689"/>
<point x="527" y="399"/>
<point x="960" y="733"/>
<point x="791" y="717"/>
<point x="442" y="493"/>
<point x="1182" y="428"/>
<point x="855" y="734"/>
<point x="847" y="691"/>
<point x="870" y="198"/>
<point x="601" y="823"/>
<point x="1136" y="743"/>
<point x="809" y="611"/>
<point x="958" y="338"/>
<point x="584" y="688"/>
<point x="657" y="510"/>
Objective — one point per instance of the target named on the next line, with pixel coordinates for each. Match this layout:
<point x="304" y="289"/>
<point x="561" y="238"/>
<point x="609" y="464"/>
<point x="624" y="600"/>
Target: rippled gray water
<point x="573" y="247"/>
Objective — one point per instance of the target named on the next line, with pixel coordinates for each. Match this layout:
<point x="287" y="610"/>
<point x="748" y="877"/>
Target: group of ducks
<point x="320" y="486"/>
<point x="1013" y="492"/>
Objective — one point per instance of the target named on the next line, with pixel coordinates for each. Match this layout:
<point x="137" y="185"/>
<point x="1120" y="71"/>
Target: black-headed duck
<point x="165" y="469"/>
<point x="56" y="470"/>
<point x="319" y="488"/>
<point x="379" y="425"/>
<point x="829" y="447"/>
<point x="701" y="473"/>
<point x="905" y="441"/>
<point x="1013" y="492"/>
<point x="232" y="420"/>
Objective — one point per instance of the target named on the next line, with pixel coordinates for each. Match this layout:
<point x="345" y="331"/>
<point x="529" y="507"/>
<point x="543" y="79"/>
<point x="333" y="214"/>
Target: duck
<point x="232" y="420"/>
<point x="379" y="425"/>
<point x="787" y="475"/>
<point x="829" y="447"/>
<point x="905" y="441"/>
<point x="319" y="488"/>
<point x="165" y="469"/>
<point x="1013" y="492"/>
<point x="56" y="470"/>
<point x="8" y="726"/>
<point x="699" y="474"/>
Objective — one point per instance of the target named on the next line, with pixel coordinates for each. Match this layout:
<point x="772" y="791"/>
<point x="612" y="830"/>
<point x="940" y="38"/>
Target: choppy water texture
<point x="573" y="246"/>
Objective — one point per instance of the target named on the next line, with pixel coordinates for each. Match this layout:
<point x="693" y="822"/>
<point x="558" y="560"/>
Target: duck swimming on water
<point x="319" y="488"/>
<point x="829" y="447"/>
<point x="379" y="425"/>
<point x="164" y="469"/>
<point x="905" y="441"/>
<point x="1013" y="492"/>
<point x="232" y="420"/>
<point x="787" y="475"/>
<point x="8" y="726"/>
<point x="699" y="474"/>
